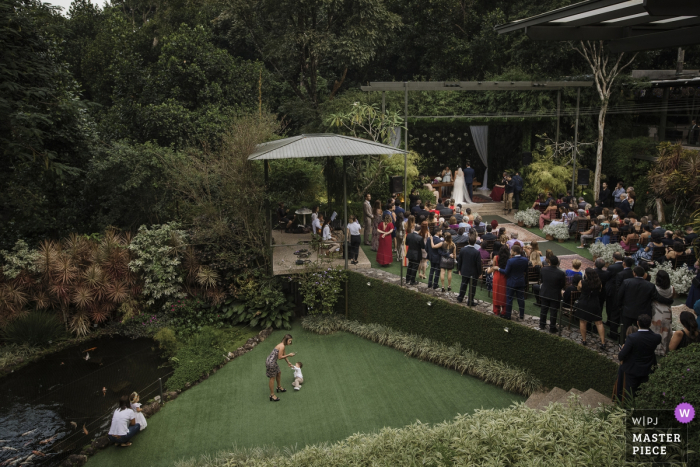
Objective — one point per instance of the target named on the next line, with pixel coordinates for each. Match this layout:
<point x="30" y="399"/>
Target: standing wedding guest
<point x="635" y="297"/>
<point x="553" y="283"/>
<point x="638" y="357"/>
<point x="353" y="234"/>
<point x="686" y="336"/>
<point x="469" y="180"/>
<point x="470" y="268"/>
<point x="518" y="187"/>
<point x="693" y="132"/>
<point x="384" y="253"/>
<point x="604" y="195"/>
<point x="400" y="230"/>
<point x="508" y="193"/>
<point x="434" y="259"/>
<point x="416" y="246"/>
<point x="367" y="217"/>
<point x="604" y="276"/>
<point x="619" y="190"/>
<point x="515" y="271"/>
<point x="661" y="317"/>
<point x="425" y="234"/>
<point x="587" y="308"/>
<point x="694" y="292"/>
<point x="378" y="214"/>
<point x="447" y="251"/>
<point x="611" y="307"/>
<point x="498" y="284"/>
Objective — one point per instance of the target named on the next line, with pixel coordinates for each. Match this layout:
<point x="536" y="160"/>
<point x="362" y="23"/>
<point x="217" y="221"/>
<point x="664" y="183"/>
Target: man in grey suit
<point x="367" y="217"/>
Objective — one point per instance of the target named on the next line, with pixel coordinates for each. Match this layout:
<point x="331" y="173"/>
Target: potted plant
<point x="559" y="231"/>
<point x="528" y="218"/>
<point x="681" y="278"/>
<point x="599" y="250"/>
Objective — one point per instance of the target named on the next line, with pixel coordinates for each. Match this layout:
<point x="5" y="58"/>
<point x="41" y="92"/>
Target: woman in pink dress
<point x="549" y="214"/>
<point x="499" y="282"/>
<point x="384" y="253"/>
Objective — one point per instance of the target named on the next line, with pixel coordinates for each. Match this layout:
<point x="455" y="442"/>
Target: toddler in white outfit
<point x="298" y="377"/>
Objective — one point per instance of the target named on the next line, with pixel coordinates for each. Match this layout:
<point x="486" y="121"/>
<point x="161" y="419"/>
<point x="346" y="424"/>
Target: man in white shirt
<point x="298" y="377"/>
<point x="316" y="224"/>
<point x="124" y="425"/>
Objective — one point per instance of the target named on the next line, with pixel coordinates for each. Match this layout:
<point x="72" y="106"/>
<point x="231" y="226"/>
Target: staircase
<point x="590" y="398"/>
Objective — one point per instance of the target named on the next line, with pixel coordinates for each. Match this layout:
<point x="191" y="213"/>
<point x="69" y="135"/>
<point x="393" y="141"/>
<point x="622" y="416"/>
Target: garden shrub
<point x="166" y="340"/>
<point x="601" y="250"/>
<point x="37" y="328"/>
<point x="260" y="302"/>
<point x="530" y="217"/>
<point x="21" y="258"/>
<point x="681" y="278"/>
<point x="320" y="287"/>
<point x="191" y="315"/>
<point x="558" y="231"/>
<point x="675" y="380"/>
<point x="553" y="360"/>
<point x="517" y="435"/>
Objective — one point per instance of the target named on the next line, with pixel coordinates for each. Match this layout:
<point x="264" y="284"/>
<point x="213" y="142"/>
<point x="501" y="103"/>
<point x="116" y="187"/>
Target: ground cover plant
<point x="463" y="360"/>
<point x="513" y="436"/>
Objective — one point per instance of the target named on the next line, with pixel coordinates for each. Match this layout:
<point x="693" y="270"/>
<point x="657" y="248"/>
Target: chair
<point x="568" y="308"/>
<point x="643" y="241"/>
<point x="532" y="277"/>
<point x="615" y="238"/>
<point x="658" y="253"/>
<point x="459" y="247"/>
<point x="681" y="260"/>
<point x="632" y="245"/>
<point x="581" y="226"/>
<point x="487" y="245"/>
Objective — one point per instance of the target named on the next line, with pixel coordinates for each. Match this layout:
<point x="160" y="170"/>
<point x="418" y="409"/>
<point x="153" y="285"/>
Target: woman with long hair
<point x="688" y="335"/>
<point x="272" y="369"/>
<point x="661" y="314"/>
<point x="499" y="280"/>
<point x="587" y="308"/>
<point x="425" y="233"/>
<point x="400" y="229"/>
<point x="447" y="251"/>
<point x="384" y="253"/>
<point x="549" y="214"/>
<point x="378" y="215"/>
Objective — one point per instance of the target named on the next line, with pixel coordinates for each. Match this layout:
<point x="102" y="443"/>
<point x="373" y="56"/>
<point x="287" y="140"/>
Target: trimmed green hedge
<point x="553" y="360"/>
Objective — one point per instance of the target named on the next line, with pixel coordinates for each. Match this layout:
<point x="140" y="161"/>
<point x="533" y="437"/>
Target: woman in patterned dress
<point x="661" y="314"/>
<point x="378" y="215"/>
<point x="272" y="370"/>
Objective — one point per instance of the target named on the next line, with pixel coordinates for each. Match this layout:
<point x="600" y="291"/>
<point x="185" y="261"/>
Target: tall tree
<point x="605" y="70"/>
<point x="310" y="43"/>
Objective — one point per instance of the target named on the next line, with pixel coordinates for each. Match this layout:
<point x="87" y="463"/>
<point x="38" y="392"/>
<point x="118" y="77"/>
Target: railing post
<point x="160" y="384"/>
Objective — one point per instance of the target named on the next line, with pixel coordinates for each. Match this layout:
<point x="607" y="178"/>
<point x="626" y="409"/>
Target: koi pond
<point x="53" y="407"/>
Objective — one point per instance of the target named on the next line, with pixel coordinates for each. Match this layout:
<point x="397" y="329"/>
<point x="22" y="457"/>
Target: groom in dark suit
<point x="637" y="356"/>
<point x="469" y="180"/>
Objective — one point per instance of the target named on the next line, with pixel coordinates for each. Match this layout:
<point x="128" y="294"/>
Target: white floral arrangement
<point x="530" y="217"/>
<point x="681" y="278"/>
<point x="600" y="250"/>
<point x="558" y="231"/>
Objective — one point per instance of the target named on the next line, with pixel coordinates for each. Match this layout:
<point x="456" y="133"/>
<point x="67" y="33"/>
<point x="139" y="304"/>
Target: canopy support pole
<point x="345" y="209"/>
<point x="268" y="218"/>
<point x="558" y="116"/>
<point x="573" y="177"/>
<point x="405" y="163"/>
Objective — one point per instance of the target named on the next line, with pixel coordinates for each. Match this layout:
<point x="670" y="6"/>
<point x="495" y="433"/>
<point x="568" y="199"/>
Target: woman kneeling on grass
<point x="273" y="370"/>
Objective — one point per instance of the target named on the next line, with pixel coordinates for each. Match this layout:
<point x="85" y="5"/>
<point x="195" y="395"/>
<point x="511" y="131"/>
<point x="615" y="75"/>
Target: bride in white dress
<point x="460" y="193"/>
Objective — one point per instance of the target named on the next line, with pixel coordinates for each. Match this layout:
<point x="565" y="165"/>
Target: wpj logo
<point x="658" y="436"/>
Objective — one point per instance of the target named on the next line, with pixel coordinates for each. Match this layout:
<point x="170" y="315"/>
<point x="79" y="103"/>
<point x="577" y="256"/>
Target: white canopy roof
<point x="320" y="145"/>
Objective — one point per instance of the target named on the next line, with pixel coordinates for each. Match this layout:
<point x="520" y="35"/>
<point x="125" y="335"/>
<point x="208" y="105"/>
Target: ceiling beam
<point x="563" y="33"/>
<point x="672" y="7"/>
<point x="571" y="10"/>
<point x="659" y="40"/>
<point x="475" y="85"/>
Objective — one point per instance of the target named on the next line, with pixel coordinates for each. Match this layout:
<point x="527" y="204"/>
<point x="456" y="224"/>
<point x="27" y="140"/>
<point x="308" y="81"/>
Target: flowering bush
<point x="599" y="250"/>
<point x="530" y="217"/>
<point x="558" y="231"/>
<point x="320" y="287"/>
<point x="157" y="261"/>
<point x="681" y="278"/>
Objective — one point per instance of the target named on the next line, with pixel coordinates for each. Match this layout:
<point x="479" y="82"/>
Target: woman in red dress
<point x="499" y="282"/>
<point x="384" y="253"/>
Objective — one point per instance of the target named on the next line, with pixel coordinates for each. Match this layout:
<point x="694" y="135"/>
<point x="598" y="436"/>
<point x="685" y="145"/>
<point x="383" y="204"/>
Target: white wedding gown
<point x="460" y="193"/>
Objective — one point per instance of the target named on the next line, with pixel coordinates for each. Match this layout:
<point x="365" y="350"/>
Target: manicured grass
<point x="351" y="385"/>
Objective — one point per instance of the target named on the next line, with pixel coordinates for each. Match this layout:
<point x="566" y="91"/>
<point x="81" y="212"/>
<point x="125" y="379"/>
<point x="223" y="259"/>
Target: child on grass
<point x="298" y="377"/>
<point x="136" y="407"/>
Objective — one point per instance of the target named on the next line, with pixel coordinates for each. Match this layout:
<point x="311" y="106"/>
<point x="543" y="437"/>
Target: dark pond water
<point x="52" y="399"/>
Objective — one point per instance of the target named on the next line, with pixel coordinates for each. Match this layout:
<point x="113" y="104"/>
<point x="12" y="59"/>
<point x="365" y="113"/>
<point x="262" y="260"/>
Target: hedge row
<point x="553" y="360"/>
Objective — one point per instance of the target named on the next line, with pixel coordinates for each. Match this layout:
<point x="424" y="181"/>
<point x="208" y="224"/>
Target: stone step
<point x="566" y="398"/>
<point x="534" y="399"/>
<point x="591" y="398"/>
<point x="553" y="395"/>
<point x="594" y="399"/>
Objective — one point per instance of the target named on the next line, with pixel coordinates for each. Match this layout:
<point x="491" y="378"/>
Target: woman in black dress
<point x="688" y="335"/>
<point x="587" y="308"/>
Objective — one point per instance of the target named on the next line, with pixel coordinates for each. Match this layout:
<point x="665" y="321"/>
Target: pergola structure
<point x="477" y="86"/>
<point x="322" y="145"/>
<point x="629" y="25"/>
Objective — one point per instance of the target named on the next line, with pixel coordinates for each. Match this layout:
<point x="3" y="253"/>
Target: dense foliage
<point x="514" y="436"/>
<point x="552" y="360"/>
<point x="35" y="329"/>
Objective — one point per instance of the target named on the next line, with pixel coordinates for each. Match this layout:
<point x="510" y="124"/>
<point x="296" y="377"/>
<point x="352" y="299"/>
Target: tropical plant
<point x="156" y="254"/>
<point x="166" y="340"/>
<point x="600" y="250"/>
<point x="20" y="259"/>
<point x="673" y="180"/>
<point x="530" y="217"/>
<point x="560" y="231"/>
<point x="190" y="316"/>
<point x="320" y="287"/>
<point x="35" y="329"/>
<point x="454" y="357"/>
<point x="681" y="278"/>
<point x="12" y="354"/>
<point x="511" y="436"/>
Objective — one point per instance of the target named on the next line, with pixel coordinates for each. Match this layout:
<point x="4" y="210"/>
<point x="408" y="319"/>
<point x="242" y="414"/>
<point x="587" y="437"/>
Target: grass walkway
<point x="352" y="385"/>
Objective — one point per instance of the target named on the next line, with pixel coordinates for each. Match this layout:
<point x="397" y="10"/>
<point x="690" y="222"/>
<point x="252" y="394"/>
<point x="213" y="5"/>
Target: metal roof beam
<point x="563" y="33"/>
<point x="659" y="40"/>
<point x="475" y="85"/>
<point x="672" y="7"/>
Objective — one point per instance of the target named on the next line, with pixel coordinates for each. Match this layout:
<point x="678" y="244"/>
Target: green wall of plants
<point x="554" y="360"/>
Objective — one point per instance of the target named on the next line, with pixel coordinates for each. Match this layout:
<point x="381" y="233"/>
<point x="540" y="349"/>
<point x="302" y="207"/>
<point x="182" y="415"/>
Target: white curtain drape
<point x="480" y="134"/>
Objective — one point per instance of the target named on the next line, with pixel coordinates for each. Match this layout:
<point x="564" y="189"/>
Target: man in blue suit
<point x="516" y="269"/>
<point x="637" y="356"/>
<point x="469" y="180"/>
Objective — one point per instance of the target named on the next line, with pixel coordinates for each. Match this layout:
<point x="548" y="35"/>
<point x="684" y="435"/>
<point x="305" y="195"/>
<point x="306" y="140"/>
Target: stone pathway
<point x="487" y="308"/>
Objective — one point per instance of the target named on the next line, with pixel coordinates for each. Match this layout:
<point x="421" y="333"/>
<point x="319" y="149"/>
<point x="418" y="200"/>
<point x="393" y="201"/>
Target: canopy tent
<point x="325" y="145"/>
<point x="629" y="25"/>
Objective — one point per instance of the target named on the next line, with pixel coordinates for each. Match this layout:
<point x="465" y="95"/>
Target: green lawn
<point x="351" y="385"/>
